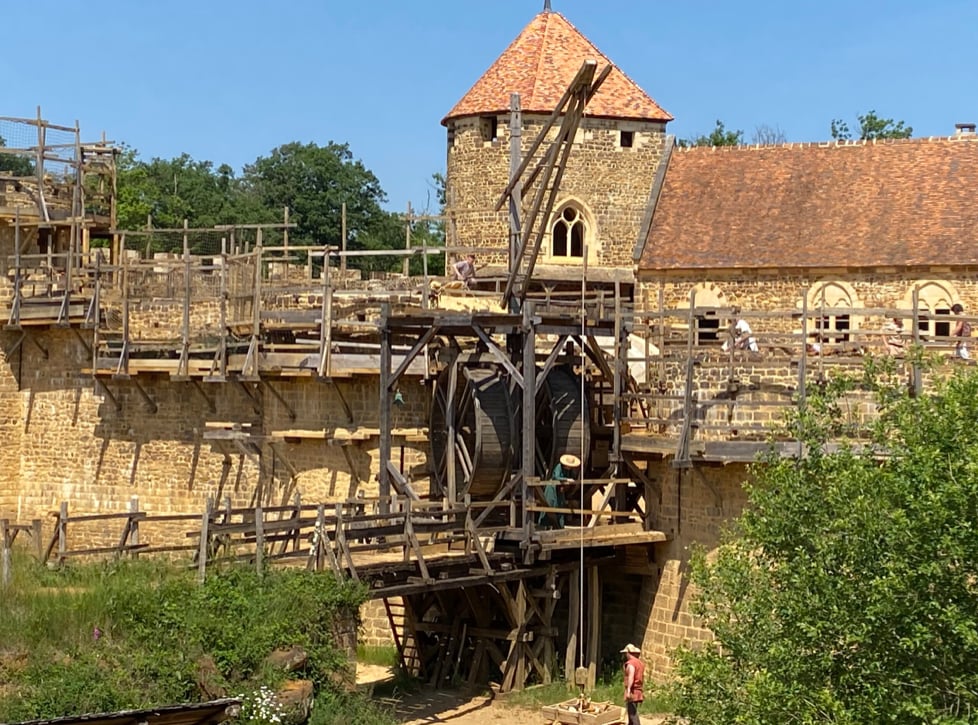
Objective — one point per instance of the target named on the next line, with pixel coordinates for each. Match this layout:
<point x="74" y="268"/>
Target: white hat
<point x="569" y="460"/>
<point x="631" y="649"/>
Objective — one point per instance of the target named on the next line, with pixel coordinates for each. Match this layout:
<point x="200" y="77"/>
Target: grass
<point x="607" y="690"/>
<point x="129" y="635"/>
<point x="379" y="656"/>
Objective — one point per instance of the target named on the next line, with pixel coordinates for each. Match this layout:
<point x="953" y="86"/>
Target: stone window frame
<point x="584" y="220"/>
<point x="935" y="298"/>
<point x="709" y="326"/>
<point x="828" y="296"/>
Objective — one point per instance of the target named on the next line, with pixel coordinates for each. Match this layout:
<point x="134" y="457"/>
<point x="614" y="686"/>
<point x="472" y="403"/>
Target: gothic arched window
<point x="568" y="234"/>
<point x="830" y="306"/>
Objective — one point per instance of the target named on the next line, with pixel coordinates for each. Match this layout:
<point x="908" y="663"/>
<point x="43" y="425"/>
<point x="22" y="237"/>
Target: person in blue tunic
<point x="553" y="493"/>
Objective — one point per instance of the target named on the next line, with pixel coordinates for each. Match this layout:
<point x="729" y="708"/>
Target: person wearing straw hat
<point x="634" y="677"/>
<point x="553" y="493"/>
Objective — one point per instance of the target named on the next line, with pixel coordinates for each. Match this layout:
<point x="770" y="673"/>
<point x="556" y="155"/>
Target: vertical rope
<point x="580" y="469"/>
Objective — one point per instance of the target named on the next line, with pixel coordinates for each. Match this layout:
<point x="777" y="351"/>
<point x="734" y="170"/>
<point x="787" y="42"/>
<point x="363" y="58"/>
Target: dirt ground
<point x="454" y="708"/>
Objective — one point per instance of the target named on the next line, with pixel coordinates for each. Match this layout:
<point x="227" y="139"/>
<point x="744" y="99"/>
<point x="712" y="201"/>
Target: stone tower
<point x="605" y="188"/>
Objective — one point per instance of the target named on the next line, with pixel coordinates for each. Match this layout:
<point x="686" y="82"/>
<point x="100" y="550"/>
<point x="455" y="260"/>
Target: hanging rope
<point x="580" y="469"/>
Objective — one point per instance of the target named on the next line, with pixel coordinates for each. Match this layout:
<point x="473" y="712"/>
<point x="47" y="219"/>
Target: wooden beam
<point x="594" y="626"/>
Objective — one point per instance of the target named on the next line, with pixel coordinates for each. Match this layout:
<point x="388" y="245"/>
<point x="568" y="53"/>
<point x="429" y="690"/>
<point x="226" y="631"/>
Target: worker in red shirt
<point x="634" y="676"/>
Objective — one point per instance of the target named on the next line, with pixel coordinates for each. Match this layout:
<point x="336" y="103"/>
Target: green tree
<point x="871" y="127"/>
<point x="13" y="165"/>
<point x="429" y="231"/>
<point x="171" y="190"/>
<point x="719" y="136"/>
<point x="848" y="591"/>
<point x="314" y="182"/>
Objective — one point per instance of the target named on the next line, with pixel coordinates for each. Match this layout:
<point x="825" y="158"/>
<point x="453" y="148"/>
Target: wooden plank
<point x="573" y="623"/>
<point x="593" y="626"/>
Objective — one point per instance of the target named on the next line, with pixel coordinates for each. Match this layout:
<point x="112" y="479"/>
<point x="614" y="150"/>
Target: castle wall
<point x="65" y="440"/>
<point x="769" y="290"/>
<point x="611" y="182"/>
<point x="694" y="507"/>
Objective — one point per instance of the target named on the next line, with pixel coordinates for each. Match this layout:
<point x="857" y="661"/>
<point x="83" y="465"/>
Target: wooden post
<point x="5" y="552"/>
<point x="515" y="158"/>
<point x="573" y="622"/>
<point x="285" y="232"/>
<point x="451" y="488"/>
<point x="203" y="546"/>
<point x="385" y="409"/>
<point x="259" y="537"/>
<point x="134" y="527"/>
<point x="62" y="532"/>
<point x="187" y="293"/>
<point x="529" y="417"/>
<point x="918" y="383"/>
<point x="36" y="534"/>
<point x="594" y="626"/>
<point x="316" y="551"/>
<point x="343" y="237"/>
<point x="223" y="352"/>
<point x="406" y="264"/>
<point x="621" y="371"/>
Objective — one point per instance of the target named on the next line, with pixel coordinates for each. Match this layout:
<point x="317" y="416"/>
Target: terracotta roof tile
<point x="540" y="64"/>
<point x="863" y="204"/>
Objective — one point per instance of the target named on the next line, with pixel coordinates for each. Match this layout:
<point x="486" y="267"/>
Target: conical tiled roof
<point x="540" y="64"/>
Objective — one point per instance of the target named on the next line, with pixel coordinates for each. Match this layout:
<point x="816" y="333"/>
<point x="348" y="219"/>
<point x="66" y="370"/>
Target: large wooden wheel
<point x="563" y="422"/>
<point x="472" y="432"/>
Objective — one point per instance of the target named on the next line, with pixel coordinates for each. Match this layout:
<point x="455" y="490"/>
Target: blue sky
<point x="229" y="81"/>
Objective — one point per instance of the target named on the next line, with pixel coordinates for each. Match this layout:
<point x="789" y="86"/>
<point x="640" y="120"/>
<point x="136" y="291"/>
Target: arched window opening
<point x="709" y="325"/>
<point x="934" y="302"/>
<point x="569" y="232"/>
<point x="829" y="309"/>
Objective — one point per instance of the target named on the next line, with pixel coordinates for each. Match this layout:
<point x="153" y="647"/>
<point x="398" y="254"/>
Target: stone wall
<point x="693" y="508"/>
<point x="784" y="290"/>
<point x="65" y="440"/>
<point x="609" y="182"/>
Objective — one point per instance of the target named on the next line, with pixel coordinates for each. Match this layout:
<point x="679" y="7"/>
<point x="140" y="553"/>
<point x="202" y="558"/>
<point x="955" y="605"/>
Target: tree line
<point x="870" y="127"/>
<point x="315" y="182"/>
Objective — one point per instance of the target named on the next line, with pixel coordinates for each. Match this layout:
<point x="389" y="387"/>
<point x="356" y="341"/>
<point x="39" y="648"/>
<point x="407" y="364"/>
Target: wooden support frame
<point x="99" y="383"/>
<point x="347" y="410"/>
<point x="255" y="401"/>
<point x="265" y="384"/>
<point x="34" y="341"/>
<point x="150" y="403"/>
<point x="386" y="420"/>
<point x="571" y="106"/>
<point x="211" y="405"/>
<point x="529" y="422"/>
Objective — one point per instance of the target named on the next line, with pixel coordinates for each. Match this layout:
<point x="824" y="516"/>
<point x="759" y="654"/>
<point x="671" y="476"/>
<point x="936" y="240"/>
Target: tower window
<point x="568" y="234"/>
<point x="626" y="139"/>
<point x="490" y="128"/>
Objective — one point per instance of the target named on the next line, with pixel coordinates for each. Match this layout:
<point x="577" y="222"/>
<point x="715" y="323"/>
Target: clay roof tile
<point x="848" y="204"/>
<point x="540" y="64"/>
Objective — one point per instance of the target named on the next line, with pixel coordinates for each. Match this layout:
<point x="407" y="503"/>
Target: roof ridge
<point x="537" y="64"/>
<point x="835" y="143"/>
<point x="540" y="51"/>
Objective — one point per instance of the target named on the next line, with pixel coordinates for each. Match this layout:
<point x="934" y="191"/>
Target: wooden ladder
<point x="404" y="637"/>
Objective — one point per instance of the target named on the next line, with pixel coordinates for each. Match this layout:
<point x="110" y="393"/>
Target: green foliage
<point x="380" y="656"/>
<point x="11" y="165"/>
<point x="847" y="591"/>
<point x="608" y="689"/>
<point x="343" y="708"/>
<point x="314" y="182"/>
<point x="871" y="127"/>
<point x="171" y="190"/>
<point x="133" y="635"/>
<point x="719" y="136"/>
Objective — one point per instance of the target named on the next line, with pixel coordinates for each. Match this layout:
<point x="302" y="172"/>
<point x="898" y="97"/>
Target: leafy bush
<point x="97" y="638"/>
<point x="847" y="592"/>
